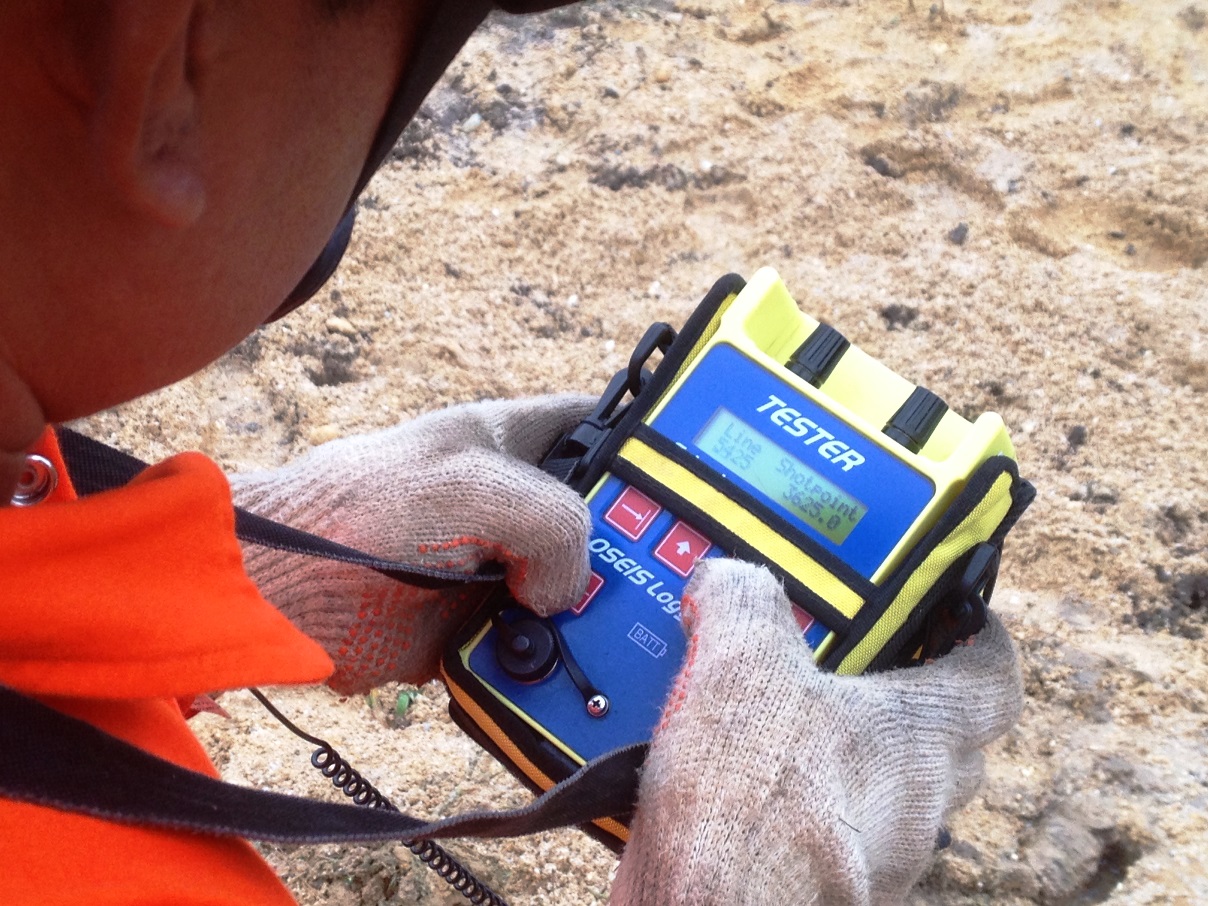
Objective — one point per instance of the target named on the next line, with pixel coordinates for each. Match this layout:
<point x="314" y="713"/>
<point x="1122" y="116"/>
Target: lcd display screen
<point x="780" y="476"/>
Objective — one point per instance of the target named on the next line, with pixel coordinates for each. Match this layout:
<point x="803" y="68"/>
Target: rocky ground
<point x="1005" y="202"/>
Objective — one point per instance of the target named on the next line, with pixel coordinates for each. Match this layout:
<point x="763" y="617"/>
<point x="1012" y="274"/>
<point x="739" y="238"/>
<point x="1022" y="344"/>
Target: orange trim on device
<point x="516" y="756"/>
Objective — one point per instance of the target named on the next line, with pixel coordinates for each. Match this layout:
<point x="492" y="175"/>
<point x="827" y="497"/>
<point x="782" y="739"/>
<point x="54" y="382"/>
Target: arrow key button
<point x="681" y="548"/>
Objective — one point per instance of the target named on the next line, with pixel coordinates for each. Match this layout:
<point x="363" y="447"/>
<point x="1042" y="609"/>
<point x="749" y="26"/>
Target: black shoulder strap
<point x="95" y="466"/>
<point x="58" y="761"/>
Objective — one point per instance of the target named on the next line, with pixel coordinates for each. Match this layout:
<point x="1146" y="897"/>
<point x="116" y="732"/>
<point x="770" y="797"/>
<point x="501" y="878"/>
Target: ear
<point x="145" y="122"/>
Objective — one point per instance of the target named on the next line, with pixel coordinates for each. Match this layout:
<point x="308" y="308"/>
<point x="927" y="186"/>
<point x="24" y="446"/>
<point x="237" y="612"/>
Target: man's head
<point x="168" y="171"/>
<point x="171" y="172"/>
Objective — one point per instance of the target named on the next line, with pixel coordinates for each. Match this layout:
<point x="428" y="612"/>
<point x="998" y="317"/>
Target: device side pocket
<point x="934" y="573"/>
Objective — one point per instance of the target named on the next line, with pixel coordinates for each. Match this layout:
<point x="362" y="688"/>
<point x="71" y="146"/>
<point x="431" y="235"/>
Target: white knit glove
<point x="771" y="782"/>
<point x="451" y="489"/>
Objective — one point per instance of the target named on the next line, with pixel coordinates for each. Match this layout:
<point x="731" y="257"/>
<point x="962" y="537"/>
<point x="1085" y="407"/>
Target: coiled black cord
<point x="349" y="781"/>
<point x="345" y="778"/>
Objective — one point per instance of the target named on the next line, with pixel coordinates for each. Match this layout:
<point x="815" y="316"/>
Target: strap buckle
<point x="574" y="452"/>
<point x="967" y="615"/>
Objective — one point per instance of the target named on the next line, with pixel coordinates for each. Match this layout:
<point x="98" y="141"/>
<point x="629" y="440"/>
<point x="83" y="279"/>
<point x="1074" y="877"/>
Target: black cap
<point x="443" y="32"/>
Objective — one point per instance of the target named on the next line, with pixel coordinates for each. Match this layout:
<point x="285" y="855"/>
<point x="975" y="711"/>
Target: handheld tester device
<point x="766" y="436"/>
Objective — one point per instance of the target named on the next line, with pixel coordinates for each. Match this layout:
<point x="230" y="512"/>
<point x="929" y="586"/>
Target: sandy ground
<point x="584" y="173"/>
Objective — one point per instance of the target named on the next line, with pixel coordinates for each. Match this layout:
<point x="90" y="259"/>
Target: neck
<point x="21" y="424"/>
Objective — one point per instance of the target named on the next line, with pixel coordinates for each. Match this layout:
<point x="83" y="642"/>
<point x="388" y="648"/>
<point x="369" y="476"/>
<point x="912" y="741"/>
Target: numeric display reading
<point x="780" y="476"/>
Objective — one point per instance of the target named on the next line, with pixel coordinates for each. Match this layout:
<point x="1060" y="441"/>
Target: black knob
<point x="520" y="644"/>
<point x="914" y="421"/>
<point x="526" y="649"/>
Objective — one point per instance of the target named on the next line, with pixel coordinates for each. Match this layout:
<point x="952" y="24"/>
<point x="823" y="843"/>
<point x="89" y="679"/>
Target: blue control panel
<point x="820" y="473"/>
<point x="626" y="627"/>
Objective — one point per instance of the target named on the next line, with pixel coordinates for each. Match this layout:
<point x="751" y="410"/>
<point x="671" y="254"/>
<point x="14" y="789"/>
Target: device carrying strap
<point x="55" y="760"/>
<point x="95" y="467"/>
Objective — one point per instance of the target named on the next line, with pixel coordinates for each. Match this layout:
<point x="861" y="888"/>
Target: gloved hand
<point x="451" y="489"/>
<point x="771" y="782"/>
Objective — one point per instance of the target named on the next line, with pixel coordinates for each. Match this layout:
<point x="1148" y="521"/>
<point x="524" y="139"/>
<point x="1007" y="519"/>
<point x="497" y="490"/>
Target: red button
<point x="632" y="513"/>
<point x="594" y="584"/>
<point x="804" y="620"/>
<point x="681" y="548"/>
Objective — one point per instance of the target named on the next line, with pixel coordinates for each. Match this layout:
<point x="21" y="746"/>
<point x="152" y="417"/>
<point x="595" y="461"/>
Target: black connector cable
<point x="595" y="701"/>
<point x="345" y="778"/>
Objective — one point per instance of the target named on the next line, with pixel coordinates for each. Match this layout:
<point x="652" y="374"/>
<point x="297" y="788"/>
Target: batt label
<point x="647" y="641"/>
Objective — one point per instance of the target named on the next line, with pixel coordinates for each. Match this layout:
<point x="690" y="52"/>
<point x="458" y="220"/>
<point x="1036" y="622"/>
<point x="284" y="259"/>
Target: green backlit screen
<point x="782" y="478"/>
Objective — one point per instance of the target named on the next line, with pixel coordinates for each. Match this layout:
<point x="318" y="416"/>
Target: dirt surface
<point x="1005" y="202"/>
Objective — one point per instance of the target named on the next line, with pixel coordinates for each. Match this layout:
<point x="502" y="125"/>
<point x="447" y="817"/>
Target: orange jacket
<point x="113" y="608"/>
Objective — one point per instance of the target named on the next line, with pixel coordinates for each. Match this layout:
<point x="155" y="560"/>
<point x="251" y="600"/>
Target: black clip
<point x="658" y="336"/>
<point x="570" y="455"/>
<point x="573" y="453"/>
<point x="967" y="615"/>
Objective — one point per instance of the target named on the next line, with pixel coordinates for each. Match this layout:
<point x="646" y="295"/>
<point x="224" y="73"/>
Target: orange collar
<point x="139" y="593"/>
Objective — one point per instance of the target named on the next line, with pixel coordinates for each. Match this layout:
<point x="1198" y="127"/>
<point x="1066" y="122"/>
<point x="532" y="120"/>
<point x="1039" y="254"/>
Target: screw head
<point x="597" y="705"/>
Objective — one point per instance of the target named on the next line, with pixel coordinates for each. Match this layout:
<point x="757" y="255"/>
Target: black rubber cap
<point x="526" y="650"/>
<point x="915" y="419"/>
<point x="817" y="357"/>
